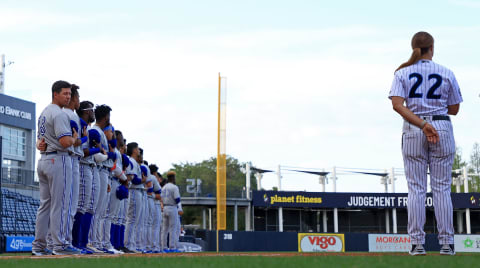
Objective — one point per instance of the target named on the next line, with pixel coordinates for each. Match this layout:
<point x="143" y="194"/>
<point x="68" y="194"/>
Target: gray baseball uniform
<point x="113" y="205"/>
<point x="428" y="89"/>
<point x="87" y="166"/>
<point x="170" y="193"/>
<point x="77" y="153"/>
<point x="134" y="212"/>
<point x="55" y="177"/>
<point x="96" y="236"/>
<point x="157" y="217"/>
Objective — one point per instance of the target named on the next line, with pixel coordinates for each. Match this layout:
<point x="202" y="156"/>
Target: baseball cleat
<point x="417" y="250"/>
<point x="41" y="253"/>
<point x="447" y="249"/>
<point x="67" y="251"/>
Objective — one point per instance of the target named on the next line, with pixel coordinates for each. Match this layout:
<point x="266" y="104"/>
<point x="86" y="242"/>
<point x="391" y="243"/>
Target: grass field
<point x="248" y="260"/>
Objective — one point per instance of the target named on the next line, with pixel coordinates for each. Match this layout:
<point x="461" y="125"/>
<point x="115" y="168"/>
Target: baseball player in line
<point x="135" y="198"/>
<point x="86" y="196"/>
<point x="157" y="210"/>
<point x="76" y="154"/>
<point x="104" y="163"/>
<point x="430" y="93"/>
<point x="117" y="179"/>
<point x="55" y="173"/>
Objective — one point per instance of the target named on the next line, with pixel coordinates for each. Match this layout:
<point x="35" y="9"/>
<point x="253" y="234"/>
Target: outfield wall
<point x="291" y="241"/>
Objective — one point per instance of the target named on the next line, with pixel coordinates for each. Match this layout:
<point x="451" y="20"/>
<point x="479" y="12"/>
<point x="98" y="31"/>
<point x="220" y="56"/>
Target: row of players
<point x="97" y="194"/>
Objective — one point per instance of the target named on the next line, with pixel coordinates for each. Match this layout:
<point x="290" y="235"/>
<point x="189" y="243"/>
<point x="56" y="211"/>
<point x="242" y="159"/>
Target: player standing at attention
<point x="76" y="154"/>
<point x="430" y="93"/>
<point x="84" y="215"/>
<point x="171" y="198"/>
<point x="135" y="199"/>
<point x="54" y="173"/>
<point x="104" y="163"/>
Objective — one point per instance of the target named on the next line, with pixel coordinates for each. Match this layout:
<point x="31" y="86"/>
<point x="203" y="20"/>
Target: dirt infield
<point x="210" y="254"/>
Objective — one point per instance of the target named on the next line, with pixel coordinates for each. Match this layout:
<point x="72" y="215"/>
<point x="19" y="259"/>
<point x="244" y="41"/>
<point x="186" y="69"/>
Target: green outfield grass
<point x="460" y="260"/>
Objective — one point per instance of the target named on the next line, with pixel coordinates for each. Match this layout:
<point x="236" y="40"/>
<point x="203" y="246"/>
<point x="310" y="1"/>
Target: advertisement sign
<point x="18" y="243"/>
<point x="352" y="200"/>
<point x="467" y="243"/>
<point x="389" y="243"/>
<point x="17" y="112"/>
<point x="310" y="242"/>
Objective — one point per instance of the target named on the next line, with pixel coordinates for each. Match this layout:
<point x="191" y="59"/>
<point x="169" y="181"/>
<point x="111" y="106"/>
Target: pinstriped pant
<point x="73" y="204"/>
<point x="419" y="156"/>
<point x="113" y="207"/>
<point x="133" y="216"/>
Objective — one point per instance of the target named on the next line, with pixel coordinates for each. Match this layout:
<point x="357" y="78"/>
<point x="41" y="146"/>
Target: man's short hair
<point x="75" y="89"/>
<point x="84" y="105"/>
<point x="130" y="147"/>
<point x="101" y="111"/>
<point x="57" y="86"/>
<point x="153" y="168"/>
<point x="171" y="176"/>
<point x="119" y="137"/>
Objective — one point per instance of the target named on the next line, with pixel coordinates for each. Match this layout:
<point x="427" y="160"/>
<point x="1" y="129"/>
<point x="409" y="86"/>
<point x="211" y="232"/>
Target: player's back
<point x="427" y="87"/>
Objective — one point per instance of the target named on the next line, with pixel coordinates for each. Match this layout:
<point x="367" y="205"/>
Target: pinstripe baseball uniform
<point x="55" y="177"/>
<point x="428" y="88"/>
<point x="113" y="203"/>
<point x="96" y="235"/>
<point x="134" y="211"/>
<point x="142" y="230"/>
<point x="157" y="217"/>
<point x="77" y="153"/>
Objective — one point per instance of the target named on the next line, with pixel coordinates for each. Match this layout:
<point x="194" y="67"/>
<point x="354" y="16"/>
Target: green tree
<point x="474" y="167"/>
<point x="458" y="163"/>
<point x="207" y="172"/>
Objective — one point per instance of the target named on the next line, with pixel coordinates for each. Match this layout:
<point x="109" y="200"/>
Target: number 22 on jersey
<point x="419" y="80"/>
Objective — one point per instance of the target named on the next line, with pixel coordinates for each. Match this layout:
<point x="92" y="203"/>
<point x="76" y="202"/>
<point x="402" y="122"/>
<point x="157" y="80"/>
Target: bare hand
<point x="74" y="134"/>
<point x="42" y="145"/>
<point x="180" y="213"/>
<point x="431" y="133"/>
<point x="108" y="188"/>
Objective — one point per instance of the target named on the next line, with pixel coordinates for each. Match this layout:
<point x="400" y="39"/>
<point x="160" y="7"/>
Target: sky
<point x="307" y="81"/>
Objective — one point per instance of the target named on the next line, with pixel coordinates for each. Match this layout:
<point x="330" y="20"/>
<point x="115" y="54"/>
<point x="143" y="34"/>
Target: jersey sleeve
<point x="454" y="94"/>
<point x="61" y="124"/>
<point x="131" y="168"/>
<point x="176" y="193"/>
<point x="398" y="87"/>
<point x="156" y="185"/>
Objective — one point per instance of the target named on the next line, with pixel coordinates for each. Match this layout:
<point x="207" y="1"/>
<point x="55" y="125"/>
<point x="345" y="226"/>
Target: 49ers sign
<point x="308" y="242"/>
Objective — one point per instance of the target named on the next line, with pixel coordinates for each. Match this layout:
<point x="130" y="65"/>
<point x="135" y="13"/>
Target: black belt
<point x="88" y="164"/>
<point x="439" y="117"/>
<point x="56" y="152"/>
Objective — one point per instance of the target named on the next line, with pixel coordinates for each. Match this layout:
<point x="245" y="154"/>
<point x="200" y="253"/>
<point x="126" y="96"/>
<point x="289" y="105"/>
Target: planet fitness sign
<point x="352" y="200"/>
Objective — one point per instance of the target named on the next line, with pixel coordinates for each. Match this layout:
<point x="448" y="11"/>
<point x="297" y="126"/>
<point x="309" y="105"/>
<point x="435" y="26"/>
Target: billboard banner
<point x="18" y="243"/>
<point x="352" y="200"/>
<point x="389" y="243"/>
<point x="467" y="243"/>
<point x="311" y="242"/>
